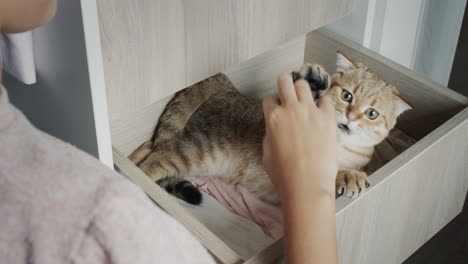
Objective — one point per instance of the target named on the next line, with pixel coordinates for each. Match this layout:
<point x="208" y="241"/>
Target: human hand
<point x="299" y="148"/>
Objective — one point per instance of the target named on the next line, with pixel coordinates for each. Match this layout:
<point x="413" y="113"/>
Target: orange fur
<point x="218" y="132"/>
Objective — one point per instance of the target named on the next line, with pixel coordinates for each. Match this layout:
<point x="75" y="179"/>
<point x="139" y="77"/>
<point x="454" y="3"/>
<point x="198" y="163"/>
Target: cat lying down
<point x="212" y="130"/>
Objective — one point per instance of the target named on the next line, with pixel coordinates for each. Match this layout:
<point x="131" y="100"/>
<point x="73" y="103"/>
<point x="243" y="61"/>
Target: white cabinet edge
<point x="97" y="82"/>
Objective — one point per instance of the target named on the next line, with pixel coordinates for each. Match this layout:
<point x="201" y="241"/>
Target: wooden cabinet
<point x="142" y="52"/>
<point x="412" y="196"/>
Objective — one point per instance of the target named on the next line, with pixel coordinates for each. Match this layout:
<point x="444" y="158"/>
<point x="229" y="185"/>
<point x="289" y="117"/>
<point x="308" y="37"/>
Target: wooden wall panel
<point x="223" y="33"/>
<point x="153" y="48"/>
<point x="255" y="77"/>
<point x="143" y="51"/>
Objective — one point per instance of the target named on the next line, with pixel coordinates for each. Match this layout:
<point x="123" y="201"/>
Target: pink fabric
<point x="239" y="200"/>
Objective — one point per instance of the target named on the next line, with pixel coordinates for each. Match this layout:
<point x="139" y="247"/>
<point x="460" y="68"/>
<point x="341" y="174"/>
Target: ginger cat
<point x="215" y="131"/>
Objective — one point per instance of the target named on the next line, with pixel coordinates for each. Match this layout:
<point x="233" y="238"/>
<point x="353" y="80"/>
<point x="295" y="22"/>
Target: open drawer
<point x="412" y="197"/>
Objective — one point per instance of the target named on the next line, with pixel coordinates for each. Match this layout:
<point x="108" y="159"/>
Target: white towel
<point x="18" y="56"/>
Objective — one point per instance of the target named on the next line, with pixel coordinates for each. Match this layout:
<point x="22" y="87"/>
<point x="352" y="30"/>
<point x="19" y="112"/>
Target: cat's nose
<point x="351" y="117"/>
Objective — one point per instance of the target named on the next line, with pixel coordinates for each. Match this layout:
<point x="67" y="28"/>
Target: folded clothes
<point x="237" y="199"/>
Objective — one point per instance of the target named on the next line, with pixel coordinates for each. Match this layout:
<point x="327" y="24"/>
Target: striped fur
<point x="211" y="130"/>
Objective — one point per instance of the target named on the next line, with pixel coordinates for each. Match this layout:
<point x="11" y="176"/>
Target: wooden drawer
<point x="412" y="196"/>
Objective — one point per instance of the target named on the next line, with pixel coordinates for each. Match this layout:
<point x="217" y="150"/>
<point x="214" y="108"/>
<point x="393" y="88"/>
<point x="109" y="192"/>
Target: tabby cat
<point x="212" y="130"/>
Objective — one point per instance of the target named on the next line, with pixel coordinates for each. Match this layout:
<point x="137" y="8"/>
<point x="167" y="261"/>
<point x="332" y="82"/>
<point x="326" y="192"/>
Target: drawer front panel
<point x="412" y="198"/>
<point x="410" y="202"/>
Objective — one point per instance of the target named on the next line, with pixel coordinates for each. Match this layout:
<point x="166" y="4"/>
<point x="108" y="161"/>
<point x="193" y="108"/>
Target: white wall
<point x="388" y="27"/>
<point x="60" y="103"/>
<point x="401" y="30"/>
<point x="438" y="40"/>
<point x="353" y="26"/>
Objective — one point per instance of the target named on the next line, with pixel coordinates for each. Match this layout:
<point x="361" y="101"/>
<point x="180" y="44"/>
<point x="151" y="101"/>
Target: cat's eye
<point x="346" y="96"/>
<point x="372" y="114"/>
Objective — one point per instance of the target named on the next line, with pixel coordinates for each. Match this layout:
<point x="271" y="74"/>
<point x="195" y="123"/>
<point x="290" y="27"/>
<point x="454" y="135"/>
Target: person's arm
<point x="310" y="225"/>
<point x="299" y="154"/>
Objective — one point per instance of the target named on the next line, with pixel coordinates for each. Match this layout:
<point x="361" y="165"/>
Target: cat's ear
<point x="401" y="105"/>
<point x="344" y="63"/>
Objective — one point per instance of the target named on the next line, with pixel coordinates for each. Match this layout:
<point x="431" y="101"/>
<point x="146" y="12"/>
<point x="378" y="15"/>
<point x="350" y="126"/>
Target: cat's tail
<point x="179" y="110"/>
<point x="182" y="189"/>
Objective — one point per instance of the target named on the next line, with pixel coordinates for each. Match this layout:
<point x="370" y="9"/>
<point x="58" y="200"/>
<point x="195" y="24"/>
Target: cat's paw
<point x="316" y="76"/>
<point x="351" y="183"/>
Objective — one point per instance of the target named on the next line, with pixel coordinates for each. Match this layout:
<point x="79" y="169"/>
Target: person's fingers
<point x="265" y="142"/>
<point x="286" y="89"/>
<point x="303" y="91"/>
<point x="325" y="104"/>
<point x="269" y="103"/>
